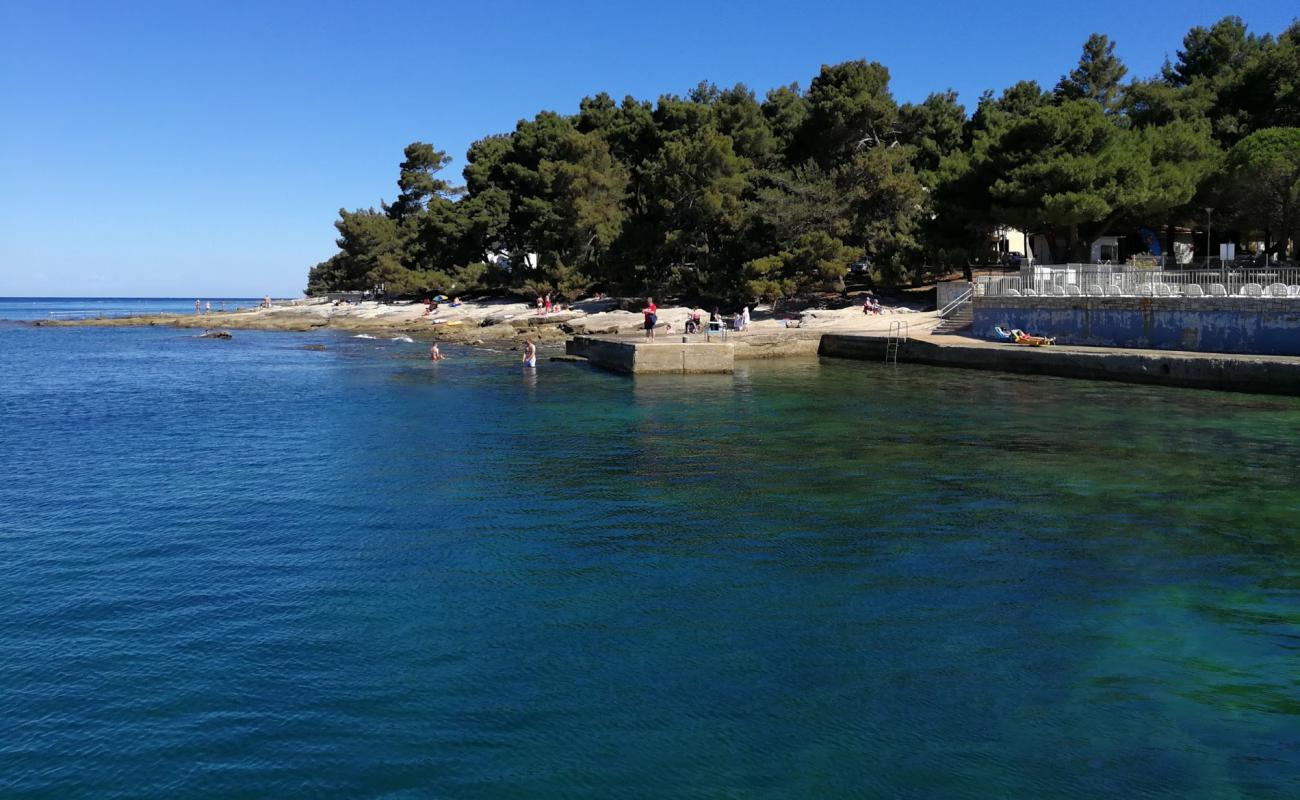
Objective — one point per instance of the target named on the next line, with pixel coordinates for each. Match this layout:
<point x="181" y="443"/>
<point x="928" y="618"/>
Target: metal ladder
<point x="898" y="333"/>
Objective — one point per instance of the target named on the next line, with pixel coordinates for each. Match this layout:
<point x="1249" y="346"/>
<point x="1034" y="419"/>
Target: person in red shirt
<point x="651" y="312"/>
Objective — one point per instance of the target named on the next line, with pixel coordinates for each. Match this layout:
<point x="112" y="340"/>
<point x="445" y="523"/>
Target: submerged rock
<point x="216" y="335"/>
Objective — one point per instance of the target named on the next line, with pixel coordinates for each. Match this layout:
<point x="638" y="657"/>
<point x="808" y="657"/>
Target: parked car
<point x="1011" y="259"/>
<point x="860" y="267"/>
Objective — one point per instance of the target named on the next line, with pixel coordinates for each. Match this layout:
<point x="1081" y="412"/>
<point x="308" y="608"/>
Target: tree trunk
<point x="1075" y="249"/>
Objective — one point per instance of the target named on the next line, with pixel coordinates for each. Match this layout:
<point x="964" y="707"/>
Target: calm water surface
<point x="34" y="308"/>
<point x="247" y="569"/>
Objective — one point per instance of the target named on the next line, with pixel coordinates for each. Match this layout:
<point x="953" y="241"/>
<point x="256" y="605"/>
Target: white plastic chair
<point x="1193" y="290"/>
<point x="1057" y="291"/>
<point x="1218" y="290"/>
<point x="1012" y="293"/>
<point x="1252" y="290"/>
<point x="1146" y="290"/>
<point x="1113" y="291"/>
<point x="1031" y="293"/>
<point x="1162" y="290"/>
<point x="1277" y="290"/>
<point x="1293" y="291"/>
<point x="1073" y="290"/>
<point x="1095" y="290"/>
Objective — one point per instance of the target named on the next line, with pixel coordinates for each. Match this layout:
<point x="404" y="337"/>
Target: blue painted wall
<point x="1208" y="325"/>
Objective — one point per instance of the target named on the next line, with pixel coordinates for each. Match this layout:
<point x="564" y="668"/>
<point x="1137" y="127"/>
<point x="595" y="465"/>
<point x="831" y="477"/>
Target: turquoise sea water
<point x="245" y="569"/>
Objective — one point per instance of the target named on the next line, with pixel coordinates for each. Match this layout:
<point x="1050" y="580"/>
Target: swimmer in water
<point x="530" y="354"/>
<point x="435" y="354"/>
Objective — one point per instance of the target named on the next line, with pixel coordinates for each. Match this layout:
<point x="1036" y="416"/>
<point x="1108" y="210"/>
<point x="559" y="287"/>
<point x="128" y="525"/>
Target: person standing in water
<point x="651" y="312"/>
<point x="530" y="353"/>
<point x="196" y="305"/>
<point x="435" y="354"/>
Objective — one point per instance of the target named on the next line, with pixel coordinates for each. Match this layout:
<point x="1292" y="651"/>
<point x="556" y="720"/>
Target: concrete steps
<point x="959" y="320"/>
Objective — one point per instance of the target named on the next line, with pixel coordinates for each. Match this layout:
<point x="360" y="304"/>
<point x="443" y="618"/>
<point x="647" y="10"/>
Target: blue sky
<point x="179" y="149"/>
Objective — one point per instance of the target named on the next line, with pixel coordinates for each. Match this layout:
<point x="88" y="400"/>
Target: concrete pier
<point x="670" y="355"/>
<point x="666" y="355"/>
<point x="1240" y="373"/>
<point x="1259" y="326"/>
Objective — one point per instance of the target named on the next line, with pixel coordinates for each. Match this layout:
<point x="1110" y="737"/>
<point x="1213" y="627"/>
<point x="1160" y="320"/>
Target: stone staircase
<point x="959" y="319"/>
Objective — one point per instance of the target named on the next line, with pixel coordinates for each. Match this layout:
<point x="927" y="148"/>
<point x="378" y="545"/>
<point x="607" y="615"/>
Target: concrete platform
<point x="676" y="353"/>
<point x="665" y="355"/>
<point x="1240" y="373"/>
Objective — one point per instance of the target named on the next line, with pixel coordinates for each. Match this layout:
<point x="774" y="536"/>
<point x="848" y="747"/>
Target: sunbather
<point x="1020" y="337"/>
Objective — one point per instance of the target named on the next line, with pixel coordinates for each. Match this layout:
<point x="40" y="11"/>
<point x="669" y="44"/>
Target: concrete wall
<point x="1232" y="373"/>
<point x="786" y="344"/>
<point x="947" y="291"/>
<point x="1208" y="325"/>
<point x="664" y="356"/>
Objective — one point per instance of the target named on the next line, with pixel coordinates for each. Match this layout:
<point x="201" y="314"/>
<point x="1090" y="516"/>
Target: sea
<point x="315" y="565"/>
<point x="77" y="308"/>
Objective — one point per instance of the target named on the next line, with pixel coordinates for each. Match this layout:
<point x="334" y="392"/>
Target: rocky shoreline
<point x="486" y="321"/>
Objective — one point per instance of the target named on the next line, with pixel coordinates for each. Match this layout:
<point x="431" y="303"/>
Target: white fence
<point x="1093" y="280"/>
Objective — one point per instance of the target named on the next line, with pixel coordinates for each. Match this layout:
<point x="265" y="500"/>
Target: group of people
<point x="694" y="322"/>
<point x="201" y="308"/>
<point x="529" y="359"/>
<point x="1017" y="336"/>
<point x="870" y="305"/>
<point x="545" y="305"/>
<point x="431" y="304"/>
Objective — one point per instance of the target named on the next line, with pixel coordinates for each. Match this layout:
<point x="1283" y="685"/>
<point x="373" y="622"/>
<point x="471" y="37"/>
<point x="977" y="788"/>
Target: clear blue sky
<point x="204" y="148"/>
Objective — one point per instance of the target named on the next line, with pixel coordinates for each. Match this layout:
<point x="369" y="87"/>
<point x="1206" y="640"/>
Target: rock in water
<point x="216" y="335"/>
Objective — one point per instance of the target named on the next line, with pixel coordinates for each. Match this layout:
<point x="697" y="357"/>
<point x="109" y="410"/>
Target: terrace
<point x="1223" y="310"/>
<point x="1101" y="281"/>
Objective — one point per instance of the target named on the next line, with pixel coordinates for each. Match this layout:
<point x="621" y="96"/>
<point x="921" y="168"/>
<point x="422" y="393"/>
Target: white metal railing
<point x="956" y="303"/>
<point x="1098" y="280"/>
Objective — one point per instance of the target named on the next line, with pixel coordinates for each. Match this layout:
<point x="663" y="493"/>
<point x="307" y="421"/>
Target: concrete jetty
<point x="634" y="356"/>
<point x="698" y="353"/>
<point x="671" y="355"/>
<point x="1231" y="372"/>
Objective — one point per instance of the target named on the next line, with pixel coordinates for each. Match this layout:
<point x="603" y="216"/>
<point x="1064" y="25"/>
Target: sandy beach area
<point x="506" y="320"/>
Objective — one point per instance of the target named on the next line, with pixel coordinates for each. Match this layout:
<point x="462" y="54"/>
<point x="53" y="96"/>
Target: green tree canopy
<point x="1097" y="77"/>
<point x="714" y="193"/>
<point x="1262" y="178"/>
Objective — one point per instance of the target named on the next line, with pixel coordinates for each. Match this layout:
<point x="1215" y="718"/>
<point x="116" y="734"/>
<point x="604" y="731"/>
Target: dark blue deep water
<point x="248" y="569"/>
